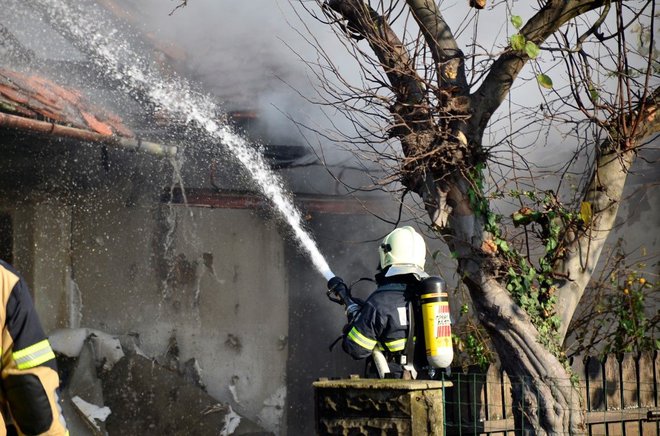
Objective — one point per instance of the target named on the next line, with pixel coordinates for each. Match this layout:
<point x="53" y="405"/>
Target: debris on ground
<point x="110" y="387"/>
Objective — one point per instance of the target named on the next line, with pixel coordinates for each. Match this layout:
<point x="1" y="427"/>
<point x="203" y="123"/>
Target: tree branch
<point x="388" y="48"/>
<point x="498" y="82"/>
<point x="604" y="193"/>
<point x="448" y="58"/>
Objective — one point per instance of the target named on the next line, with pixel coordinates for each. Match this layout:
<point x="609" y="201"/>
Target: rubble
<point x="110" y="387"/>
<point x="92" y="413"/>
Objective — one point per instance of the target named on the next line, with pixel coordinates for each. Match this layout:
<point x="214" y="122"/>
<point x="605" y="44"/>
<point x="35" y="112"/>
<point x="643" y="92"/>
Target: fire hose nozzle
<point x="339" y="292"/>
<point x="335" y="282"/>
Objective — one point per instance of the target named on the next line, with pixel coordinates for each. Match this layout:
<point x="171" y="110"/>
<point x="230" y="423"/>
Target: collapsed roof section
<point x="62" y="82"/>
<point x="37" y="104"/>
<point x="37" y="97"/>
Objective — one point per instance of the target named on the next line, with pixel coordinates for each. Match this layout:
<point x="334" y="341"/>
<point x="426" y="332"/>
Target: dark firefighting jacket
<point x="382" y="322"/>
<point x="29" y="379"/>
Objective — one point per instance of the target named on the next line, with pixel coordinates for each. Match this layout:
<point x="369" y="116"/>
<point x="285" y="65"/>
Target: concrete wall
<point x="214" y="280"/>
<point x="41" y="236"/>
<point x="240" y="295"/>
<point x="103" y="252"/>
<point x="52" y="269"/>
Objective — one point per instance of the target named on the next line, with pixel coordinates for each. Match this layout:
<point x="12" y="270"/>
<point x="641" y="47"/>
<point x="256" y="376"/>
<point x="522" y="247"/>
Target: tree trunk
<point x="545" y="400"/>
<point x="440" y="145"/>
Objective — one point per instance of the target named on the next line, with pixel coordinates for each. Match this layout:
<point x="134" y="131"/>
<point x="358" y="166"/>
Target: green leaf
<point x="492" y="220"/>
<point x="518" y="219"/>
<point x="531" y="274"/>
<point x="464" y="309"/>
<point x="532" y="49"/>
<point x="517" y="42"/>
<point x="525" y="216"/>
<point x="593" y="92"/>
<point x="516" y="20"/>
<point x="544" y="81"/>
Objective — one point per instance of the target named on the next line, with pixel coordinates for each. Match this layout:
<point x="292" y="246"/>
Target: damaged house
<point x="169" y="288"/>
<point x="50" y="133"/>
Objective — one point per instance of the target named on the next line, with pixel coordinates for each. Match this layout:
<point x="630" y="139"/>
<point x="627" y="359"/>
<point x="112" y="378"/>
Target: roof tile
<point x="96" y="125"/>
<point x="34" y="96"/>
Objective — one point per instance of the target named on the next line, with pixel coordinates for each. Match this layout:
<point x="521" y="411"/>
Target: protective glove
<point x="338" y="291"/>
<point x="352" y="311"/>
<point x="338" y="288"/>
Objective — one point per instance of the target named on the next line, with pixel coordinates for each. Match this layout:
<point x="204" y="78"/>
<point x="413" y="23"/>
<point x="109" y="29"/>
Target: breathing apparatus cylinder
<point x="434" y="310"/>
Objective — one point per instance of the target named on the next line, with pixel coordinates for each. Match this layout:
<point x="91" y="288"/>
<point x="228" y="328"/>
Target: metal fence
<point x="621" y="397"/>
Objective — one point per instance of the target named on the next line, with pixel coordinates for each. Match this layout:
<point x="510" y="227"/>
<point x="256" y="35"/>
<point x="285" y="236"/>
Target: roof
<point x="49" y="86"/>
<point x="39" y="98"/>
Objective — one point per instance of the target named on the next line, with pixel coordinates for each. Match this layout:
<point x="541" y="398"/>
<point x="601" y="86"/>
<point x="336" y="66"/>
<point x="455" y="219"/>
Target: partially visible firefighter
<point x="407" y="303"/>
<point x="29" y="396"/>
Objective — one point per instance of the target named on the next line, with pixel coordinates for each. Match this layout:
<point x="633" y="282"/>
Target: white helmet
<point x="404" y="251"/>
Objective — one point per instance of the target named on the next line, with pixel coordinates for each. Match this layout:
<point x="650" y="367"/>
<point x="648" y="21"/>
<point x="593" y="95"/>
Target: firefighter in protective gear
<point x="28" y="398"/>
<point x="382" y="320"/>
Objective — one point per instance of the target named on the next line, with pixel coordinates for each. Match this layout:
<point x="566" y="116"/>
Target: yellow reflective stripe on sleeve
<point x="34" y="355"/>
<point x="361" y="339"/>
<point x="396" y="345"/>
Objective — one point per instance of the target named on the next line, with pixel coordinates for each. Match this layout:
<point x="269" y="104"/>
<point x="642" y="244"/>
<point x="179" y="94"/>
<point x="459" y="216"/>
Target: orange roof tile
<point x="13" y="95"/>
<point x="37" y="97"/>
<point x="96" y="125"/>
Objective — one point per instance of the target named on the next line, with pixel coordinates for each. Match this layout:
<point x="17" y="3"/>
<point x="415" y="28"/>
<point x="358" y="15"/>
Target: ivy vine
<point x="532" y="285"/>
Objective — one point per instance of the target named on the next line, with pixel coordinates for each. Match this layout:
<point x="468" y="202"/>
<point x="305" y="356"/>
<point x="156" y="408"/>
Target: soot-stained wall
<point x="213" y="279"/>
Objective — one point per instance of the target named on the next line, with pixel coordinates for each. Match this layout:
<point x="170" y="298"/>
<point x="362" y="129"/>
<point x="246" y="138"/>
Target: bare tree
<point x="426" y="105"/>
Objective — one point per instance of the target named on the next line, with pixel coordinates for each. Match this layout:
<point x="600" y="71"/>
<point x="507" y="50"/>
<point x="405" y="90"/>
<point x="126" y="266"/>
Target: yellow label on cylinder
<point x="437" y="326"/>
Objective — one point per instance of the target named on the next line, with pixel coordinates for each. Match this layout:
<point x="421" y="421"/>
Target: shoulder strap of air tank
<point x="392" y="287"/>
<point x="409" y="350"/>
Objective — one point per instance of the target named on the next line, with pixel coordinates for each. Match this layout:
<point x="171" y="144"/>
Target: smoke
<point x="250" y="55"/>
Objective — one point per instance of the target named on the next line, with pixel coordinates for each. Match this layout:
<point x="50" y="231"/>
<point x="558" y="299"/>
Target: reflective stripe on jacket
<point x="29" y="372"/>
<point x="382" y="321"/>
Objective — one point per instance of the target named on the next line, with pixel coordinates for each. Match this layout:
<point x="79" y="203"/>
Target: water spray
<point x="99" y="39"/>
<point x="109" y="50"/>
